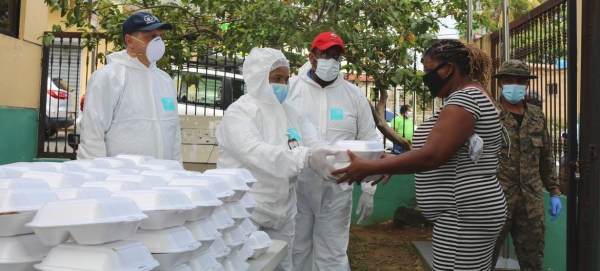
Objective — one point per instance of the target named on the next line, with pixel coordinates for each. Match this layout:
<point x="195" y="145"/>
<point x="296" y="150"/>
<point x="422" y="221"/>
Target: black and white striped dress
<point x="464" y="199"/>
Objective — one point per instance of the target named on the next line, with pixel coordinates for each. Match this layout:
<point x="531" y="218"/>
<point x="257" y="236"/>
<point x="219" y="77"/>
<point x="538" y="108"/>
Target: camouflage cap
<point x="514" y="67"/>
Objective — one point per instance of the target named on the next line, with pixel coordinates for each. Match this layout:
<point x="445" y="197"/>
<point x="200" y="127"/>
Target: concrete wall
<point x="20" y="74"/>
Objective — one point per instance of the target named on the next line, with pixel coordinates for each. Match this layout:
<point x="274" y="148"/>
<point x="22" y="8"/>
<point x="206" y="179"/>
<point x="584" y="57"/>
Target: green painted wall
<point x="400" y="191"/>
<point x="18" y="134"/>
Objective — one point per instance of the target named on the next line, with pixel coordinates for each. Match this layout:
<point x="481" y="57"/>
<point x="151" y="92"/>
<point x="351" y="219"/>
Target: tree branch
<point x="321" y="12"/>
<point x="388" y="132"/>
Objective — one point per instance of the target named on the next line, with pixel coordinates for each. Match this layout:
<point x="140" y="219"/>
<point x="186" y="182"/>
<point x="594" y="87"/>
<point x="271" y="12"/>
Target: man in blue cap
<point x="130" y="103"/>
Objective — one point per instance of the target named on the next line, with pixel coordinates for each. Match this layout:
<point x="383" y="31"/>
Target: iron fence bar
<point x="572" y="157"/>
<point x="42" y="118"/>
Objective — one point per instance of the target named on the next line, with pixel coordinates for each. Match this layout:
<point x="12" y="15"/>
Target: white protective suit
<point x="130" y="109"/>
<point x="253" y="135"/>
<point x="339" y="111"/>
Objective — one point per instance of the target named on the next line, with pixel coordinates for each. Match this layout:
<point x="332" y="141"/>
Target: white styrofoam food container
<point x="117" y="162"/>
<point x="114" y="256"/>
<point x="204" y="231"/>
<point x="164" y="174"/>
<point x="63" y="167"/>
<point x="236" y="211"/>
<point x="240" y="172"/>
<point x="112" y="171"/>
<point x="9" y="173"/>
<point x="260" y="242"/>
<point x="219" y="186"/>
<point x="160" y="164"/>
<point x="246" y="252"/>
<point x="22" y="183"/>
<point x="20" y="253"/>
<point x="164" y="208"/>
<point x="148" y="181"/>
<point x="204" y="261"/>
<point x="116" y="186"/>
<point x="90" y="163"/>
<point x="182" y="267"/>
<point x="235" y="262"/>
<point x="234" y="238"/>
<point x="28" y="166"/>
<point x="368" y="150"/>
<point x="221" y="219"/>
<point x="19" y="206"/>
<point x="81" y="193"/>
<point x="184" y="173"/>
<point x="237" y="184"/>
<point x="219" y="250"/>
<point x="202" y="197"/>
<point x="56" y="179"/>
<point x="89" y="176"/>
<point x="137" y="159"/>
<point x="248" y="226"/>
<point x="88" y="221"/>
<point x="249" y="203"/>
<point x="170" y="247"/>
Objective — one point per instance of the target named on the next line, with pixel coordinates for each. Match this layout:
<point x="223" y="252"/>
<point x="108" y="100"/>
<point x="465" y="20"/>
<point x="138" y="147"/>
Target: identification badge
<point x="293" y="138"/>
<point x="168" y="104"/>
<point x="475" y="147"/>
<point x="336" y="114"/>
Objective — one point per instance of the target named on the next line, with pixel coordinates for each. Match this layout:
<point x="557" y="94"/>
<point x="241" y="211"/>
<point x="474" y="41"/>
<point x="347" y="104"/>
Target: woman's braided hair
<point x="471" y="60"/>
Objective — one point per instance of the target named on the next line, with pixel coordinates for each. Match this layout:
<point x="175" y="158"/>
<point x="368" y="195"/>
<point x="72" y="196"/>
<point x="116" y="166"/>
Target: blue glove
<point x="556" y="207"/>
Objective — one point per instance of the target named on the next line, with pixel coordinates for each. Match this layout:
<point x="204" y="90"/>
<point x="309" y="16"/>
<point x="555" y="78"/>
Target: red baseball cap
<point x="325" y="40"/>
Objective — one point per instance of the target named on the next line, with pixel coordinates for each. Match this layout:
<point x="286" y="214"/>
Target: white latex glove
<point x="365" y="203"/>
<point x="317" y="161"/>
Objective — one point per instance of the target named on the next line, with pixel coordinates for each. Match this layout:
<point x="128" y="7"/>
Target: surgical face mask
<point x="433" y="81"/>
<point x="155" y="49"/>
<point x="514" y="93"/>
<point x="281" y="91"/>
<point x="327" y="69"/>
<point x="409" y="115"/>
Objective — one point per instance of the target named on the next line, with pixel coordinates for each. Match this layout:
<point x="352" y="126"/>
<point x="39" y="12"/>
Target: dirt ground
<point x="386" y="247"/>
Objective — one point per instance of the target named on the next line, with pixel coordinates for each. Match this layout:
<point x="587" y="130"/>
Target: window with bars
<point x="9" y="17"/>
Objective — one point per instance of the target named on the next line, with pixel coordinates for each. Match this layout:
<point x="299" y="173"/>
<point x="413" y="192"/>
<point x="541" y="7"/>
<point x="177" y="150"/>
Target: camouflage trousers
<point x="528" y="236"/>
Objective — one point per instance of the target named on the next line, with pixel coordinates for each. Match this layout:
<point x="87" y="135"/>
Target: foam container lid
<point x="114" y="256"/>
<point x="9" y="173"/>
<point x="182" y="267"/>
<point x="86" y="212"/>
<point x="137" y="159"/>
<point x="221" y="219"/>
<point x="248" y="201"/>
<point x="203" y="230"/>
<point x="236" y="210"/>
<point x="199" y="195"/>
<point x="246" y="252"/>
<point x="116" y="186"/>
<point x="82" y="193"/>
<point x="234" y="181"/>
<point x="112" y="171"/>
<point x="259" y="240"/>
<point x="248" y="226"/>
<point x="219" y="249"/>
<point x="235" y="262"/>
<point x="64" y="167"/>
<point x="22" y="183"/>
<point x="22" y="248"/>
<point x="170" y="240"/>
<point x="219" y="186"/>
<point x="234" y="236"/>
<point x="164" y="174"/>
<point x="240" y="172"/>
<point x="153" y="200"/>
<point x="358" y="145"/>
<point x="204" y="261"/>
<point x="20" y="200"/>
<point x="160" y="164"/>
<point x="149" y="181"/>
<point x="28" y="166"/>
<point x="89" y="176"/>
<point x="182" y="172"/>
<point x="91" y="163"/>
<point x="56" y="179"/>
<point x="116" y="162"/>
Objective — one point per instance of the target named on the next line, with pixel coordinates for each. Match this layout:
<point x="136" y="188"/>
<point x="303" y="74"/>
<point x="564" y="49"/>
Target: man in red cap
<point x="340" y="111"/>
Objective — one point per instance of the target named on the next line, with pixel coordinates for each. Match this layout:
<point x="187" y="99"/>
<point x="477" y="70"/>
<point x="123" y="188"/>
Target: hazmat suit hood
<point x="257" y="67"/>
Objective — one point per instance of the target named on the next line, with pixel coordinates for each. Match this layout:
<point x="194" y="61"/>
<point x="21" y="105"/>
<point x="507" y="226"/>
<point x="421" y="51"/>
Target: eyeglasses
<point x="325" y="55"/>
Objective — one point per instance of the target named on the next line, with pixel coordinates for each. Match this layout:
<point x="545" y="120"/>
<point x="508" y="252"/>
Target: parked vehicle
<point x="60" y="106"/>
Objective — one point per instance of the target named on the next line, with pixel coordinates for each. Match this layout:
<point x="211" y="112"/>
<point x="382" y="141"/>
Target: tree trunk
<point x="382" y="125"/>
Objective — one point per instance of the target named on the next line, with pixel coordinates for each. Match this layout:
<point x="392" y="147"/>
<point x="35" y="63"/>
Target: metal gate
<point x="540" y="38"/>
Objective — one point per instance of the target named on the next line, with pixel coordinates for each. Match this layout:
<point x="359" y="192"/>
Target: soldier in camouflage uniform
<point x="526" y="167"/>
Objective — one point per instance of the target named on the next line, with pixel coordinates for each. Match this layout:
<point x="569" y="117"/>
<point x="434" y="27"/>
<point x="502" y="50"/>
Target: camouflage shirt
<point x="528" y="166"/>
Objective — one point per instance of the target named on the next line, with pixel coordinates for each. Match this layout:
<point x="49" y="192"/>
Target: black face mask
<point x="433" y="81"/>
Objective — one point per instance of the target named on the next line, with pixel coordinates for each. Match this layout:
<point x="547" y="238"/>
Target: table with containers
<point x="129" y="213"/>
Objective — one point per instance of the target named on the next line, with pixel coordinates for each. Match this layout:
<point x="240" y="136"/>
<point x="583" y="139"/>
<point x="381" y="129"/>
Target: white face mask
<point x="155" y="49"/>
<point x="327" y="69"/>
<point x="409" y="115"/>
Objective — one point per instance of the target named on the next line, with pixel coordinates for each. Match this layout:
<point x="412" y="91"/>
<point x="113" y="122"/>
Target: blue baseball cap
<point x="143" y="21"/>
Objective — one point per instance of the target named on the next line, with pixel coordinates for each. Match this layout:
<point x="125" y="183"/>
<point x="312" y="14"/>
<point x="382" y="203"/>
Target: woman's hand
<point x="355" y="172"/>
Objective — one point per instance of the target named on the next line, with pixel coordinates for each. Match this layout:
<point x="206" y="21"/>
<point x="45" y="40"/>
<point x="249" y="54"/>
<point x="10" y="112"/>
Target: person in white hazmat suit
<point x="265" y="135"/>
<point x="340" y="111"/>
<point x="131" y="105"/>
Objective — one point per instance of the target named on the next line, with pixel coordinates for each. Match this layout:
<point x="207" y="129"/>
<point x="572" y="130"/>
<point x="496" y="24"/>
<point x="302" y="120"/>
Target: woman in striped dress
<point x="456" y="182"/>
